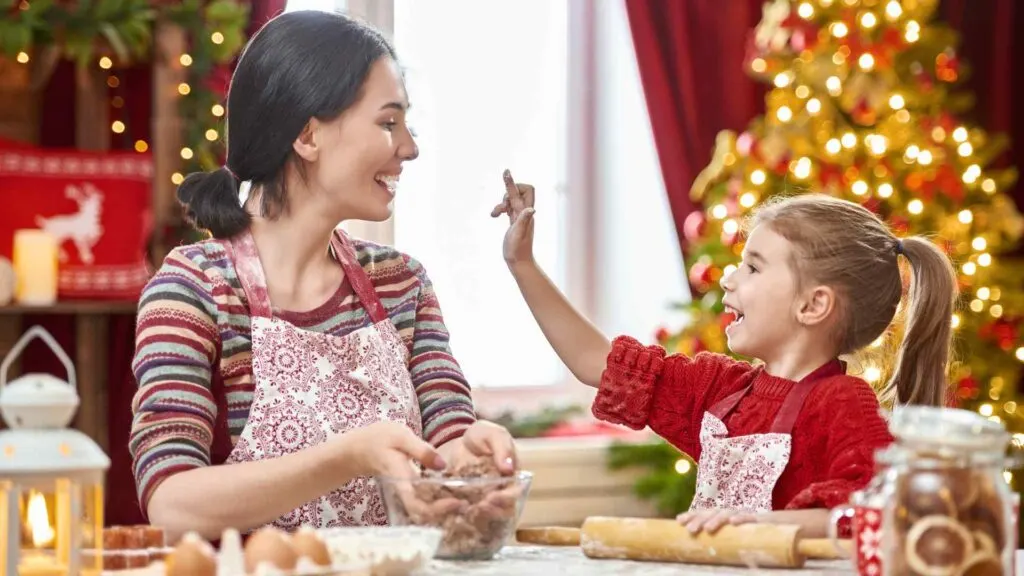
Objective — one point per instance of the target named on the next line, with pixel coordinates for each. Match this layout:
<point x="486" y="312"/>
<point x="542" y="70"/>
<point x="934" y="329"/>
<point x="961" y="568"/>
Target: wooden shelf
<point x="71" y="307"/>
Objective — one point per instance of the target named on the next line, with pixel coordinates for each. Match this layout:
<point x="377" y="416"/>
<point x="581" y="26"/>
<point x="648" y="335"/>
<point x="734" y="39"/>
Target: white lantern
<point x="51" y="476"/>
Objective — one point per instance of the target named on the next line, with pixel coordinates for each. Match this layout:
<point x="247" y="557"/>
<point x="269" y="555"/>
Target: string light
<point x="924" y="158"/>
<point x="106" y="63"/>
<point x="758" y="65"/>
<point x="965" y="149"/>
<point x="730" y="226"/>
<point x="748" y="199"/>
<point x="893" y="10"/>
<point x="979" y="243"/>
<point x="915" y="206"/>
<point x="969" y="268"/>
<point x="757" y="177"/>
<point x="186" y="153"/>
<point x="985" y="409"/>
<point x="849" y="140"/>
<point x="859" y="187"/>
<point x="965" y="216"/>
<point x="784" y="114"/>
<point x="217" y="38"/>
<point x="719" y="211"/>
<point x="983" y="293"/>
<point x="813" y="106"/>
<point x="782" y="80"/>
<point x="868" y="20"/>
<point x="839" y="29"/>
<point x="912" y="33"/>
<point x="1020" y="353"/>
<point x="834" y="85"/>
<point x="217" y="110"/>
<point x="211" y="135"/>
<point x="996" y="311"/>
<point x="866" y="61"/>
<point x="960" y="134"/>
<point x="141" y="146"/>
<point x="910" y="154"/>
<point x="117" y="127"/>
<point x="177" y="178"/>
<point x="985" y="259"/>
<point x="802" y="91"/>
<point x="988" y="185"/>
<point x="805" y="10"/>
<point x="955" y="321"/>
<point x="23" y="57"/>
<point x="683" y="466"/>
<point x="833" y="146"/>
<point x="972" y="174"/>
<point x="802" y="168"/>
<point x="896" y="102"/>
<point x="184" y="89"/>
<point x="877" y="144"/>
<point x="872" y="374"/>
<point x="938" y="134"/>
<point x="885" y="190"/>
<point x="185" y="60"/>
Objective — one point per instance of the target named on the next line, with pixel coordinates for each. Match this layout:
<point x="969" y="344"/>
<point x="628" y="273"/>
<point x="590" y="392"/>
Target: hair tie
<point x="899" y="247"/>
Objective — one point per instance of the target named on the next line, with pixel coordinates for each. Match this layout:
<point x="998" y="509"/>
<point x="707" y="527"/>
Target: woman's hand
<point x="482" y="440"/>
<point x="387" y="449"/>
<point x="711" y="520"/>
<point x="518" y="204"/>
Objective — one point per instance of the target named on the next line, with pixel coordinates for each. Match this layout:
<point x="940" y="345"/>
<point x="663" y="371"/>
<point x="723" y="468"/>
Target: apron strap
<point x="726" y="405"/>
<point x="794" y="401"/>
<point x="357" y="276"/>
<point x="243" y="254"/>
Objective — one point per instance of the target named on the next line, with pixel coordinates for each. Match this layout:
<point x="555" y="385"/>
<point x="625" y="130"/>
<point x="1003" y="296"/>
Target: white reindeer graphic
<point x="83" y="227"/>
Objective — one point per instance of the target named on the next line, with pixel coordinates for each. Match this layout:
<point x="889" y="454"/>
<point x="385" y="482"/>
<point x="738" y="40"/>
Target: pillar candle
<point x="35" y="267"/>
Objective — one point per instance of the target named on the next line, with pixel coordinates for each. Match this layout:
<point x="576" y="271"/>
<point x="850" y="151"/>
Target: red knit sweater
<point x="834" y="438"/>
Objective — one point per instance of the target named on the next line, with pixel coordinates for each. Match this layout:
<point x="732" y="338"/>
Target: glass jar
<point x="950" y="511"/>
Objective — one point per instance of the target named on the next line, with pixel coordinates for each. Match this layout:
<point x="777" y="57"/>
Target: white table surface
<point x="541" y="560"/>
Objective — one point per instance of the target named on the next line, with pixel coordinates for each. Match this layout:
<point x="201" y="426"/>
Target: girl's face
<point x="358" y="156"/>
<point x="762" y="293"/>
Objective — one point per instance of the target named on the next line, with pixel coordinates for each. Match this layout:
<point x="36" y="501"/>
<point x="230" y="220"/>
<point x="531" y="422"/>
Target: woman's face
<point x="360" y="153"/>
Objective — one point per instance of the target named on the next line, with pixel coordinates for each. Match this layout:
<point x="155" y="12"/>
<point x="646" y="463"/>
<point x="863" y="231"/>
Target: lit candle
<point x="35" y="267"/>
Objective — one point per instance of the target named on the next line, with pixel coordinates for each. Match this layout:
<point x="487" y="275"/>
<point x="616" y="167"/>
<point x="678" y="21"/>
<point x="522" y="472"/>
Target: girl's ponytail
<point x="920" y="374"/>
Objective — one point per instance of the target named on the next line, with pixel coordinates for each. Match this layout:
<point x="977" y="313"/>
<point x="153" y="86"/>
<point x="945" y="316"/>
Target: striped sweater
<point x="193" y="363"/>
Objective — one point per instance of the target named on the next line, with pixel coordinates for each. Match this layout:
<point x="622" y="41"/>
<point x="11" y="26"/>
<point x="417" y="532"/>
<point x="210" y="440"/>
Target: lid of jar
<point x="950" y="428"/>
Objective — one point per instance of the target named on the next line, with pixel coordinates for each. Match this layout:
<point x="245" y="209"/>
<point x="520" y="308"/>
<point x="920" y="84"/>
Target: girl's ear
<point x="816" y="306"/>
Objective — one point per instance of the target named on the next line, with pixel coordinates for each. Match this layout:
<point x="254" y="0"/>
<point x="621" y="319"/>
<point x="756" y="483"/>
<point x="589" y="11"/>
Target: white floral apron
<point x="740" y="473"/>
<point x="310" y="386"/>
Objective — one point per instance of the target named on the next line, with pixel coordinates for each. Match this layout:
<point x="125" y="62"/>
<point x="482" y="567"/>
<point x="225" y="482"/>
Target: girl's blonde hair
<point x="845" y="246"/>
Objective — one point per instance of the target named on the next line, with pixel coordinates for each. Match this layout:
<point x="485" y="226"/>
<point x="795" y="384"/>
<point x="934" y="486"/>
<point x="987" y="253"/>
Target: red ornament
<point x="662" y="335"/>
<point x="700" y="274"/>
<point x="694" y="226"/>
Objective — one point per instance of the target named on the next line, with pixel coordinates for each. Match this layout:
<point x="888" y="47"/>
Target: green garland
<point x="85" y="30"/>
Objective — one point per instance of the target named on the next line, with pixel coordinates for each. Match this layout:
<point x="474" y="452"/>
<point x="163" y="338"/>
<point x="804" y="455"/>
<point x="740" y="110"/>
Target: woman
<point x="332" y="351"/>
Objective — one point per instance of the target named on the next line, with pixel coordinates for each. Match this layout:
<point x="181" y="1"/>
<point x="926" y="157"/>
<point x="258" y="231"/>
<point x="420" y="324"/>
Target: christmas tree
<point x="864" y="107"/>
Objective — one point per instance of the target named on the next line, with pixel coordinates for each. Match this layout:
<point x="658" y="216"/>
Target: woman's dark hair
<point x="300" y="65"/>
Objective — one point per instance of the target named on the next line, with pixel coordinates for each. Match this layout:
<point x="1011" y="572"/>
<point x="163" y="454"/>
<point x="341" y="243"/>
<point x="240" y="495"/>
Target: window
<point x="549" y="89"/>
<point x="487" y="95"/>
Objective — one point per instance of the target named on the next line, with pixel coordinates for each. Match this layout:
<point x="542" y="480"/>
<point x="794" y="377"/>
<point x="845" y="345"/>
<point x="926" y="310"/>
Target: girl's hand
<point x="483" y="440"/>
<point x="518" y="204"/>
<point x="711" y="520"/>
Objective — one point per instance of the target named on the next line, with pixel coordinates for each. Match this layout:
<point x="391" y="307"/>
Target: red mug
<point x="866" y="534"/>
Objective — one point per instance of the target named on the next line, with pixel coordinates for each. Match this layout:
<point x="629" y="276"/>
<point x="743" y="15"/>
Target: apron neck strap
<point x="361" y="285"/>
<point x="243" y="253"/>
<point x="793" y="402"/>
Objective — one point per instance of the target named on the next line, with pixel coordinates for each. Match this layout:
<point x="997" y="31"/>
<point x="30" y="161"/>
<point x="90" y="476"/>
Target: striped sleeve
<point x="444" y="396"/>
<point x="175" y="350"/>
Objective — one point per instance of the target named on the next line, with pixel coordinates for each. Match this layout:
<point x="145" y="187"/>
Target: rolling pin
<point x="762" y="545"/>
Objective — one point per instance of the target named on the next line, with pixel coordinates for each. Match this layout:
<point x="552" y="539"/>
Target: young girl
<point x="789" y="438"/>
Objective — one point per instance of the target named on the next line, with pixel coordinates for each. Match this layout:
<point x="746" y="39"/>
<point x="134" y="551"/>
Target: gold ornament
<point x="769" y="35"/>
<point x="725" y="144"/>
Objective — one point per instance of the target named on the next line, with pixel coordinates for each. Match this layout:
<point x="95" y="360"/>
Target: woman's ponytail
<point x="211" y="203"/>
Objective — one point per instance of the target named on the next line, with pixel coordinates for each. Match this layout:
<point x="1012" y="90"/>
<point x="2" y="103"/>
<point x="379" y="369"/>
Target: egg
<point x="193" y="556"/>
<point x="272" y="546"/>
<point x="311" y="545"/>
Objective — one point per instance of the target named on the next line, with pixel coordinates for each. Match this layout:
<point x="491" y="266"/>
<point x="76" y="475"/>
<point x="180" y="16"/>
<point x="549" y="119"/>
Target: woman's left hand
<point x="711" y="520"/>
<point x="482" y="440"/>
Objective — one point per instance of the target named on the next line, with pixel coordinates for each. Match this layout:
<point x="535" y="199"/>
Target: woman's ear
<point x="306" y="145"/>
<point x="816" y="306"/>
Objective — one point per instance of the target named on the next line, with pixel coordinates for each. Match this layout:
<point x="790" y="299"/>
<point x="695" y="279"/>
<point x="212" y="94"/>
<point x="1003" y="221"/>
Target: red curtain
<point x="690" y="56"/>
<point x="690" y="59"/>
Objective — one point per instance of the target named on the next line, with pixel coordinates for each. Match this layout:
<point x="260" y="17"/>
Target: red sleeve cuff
<point x="627" y="384"/>
<point x="827" y="494"/>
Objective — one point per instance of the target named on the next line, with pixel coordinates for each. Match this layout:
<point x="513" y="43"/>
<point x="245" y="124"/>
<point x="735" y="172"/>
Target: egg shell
<point x="272" y="546"/>
<point x="311" y="545"/>
<point x="193" y="556"/>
